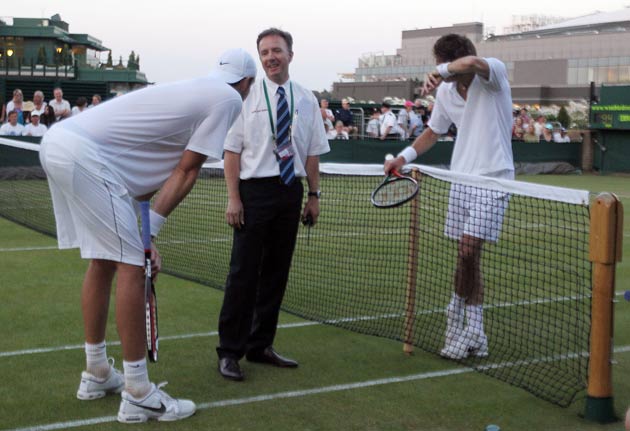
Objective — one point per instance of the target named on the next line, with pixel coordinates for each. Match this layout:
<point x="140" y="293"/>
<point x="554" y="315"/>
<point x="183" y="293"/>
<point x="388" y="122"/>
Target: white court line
<point x="43" y="247"/>
<point x="326" y="389"/>
<point x="298" y="325"/>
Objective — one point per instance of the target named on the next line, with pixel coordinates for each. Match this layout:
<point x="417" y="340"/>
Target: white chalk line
<point x="329" y="389"/>
<point x="303" y="324"/>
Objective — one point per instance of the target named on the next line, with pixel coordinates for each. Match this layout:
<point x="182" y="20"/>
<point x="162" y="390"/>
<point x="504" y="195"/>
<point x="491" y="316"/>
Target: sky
<point x="181" y="39"/>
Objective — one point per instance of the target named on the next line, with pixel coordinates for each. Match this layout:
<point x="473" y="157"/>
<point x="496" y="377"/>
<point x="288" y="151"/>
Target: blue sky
<point x="180" y="39"/>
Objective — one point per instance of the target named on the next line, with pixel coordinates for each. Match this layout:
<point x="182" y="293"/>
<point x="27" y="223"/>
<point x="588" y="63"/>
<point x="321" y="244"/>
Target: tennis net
<point x="390" y="273"/>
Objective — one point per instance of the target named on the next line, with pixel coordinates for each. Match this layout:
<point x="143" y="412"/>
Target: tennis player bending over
<point x="99" y="164"/>
<point x="474" y="93"/>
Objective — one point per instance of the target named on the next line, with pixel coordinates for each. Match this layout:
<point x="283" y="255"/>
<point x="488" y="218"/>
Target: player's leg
<point x="456" y="218"/>
<point x="100" y="377"/>
<point x="141" y="399"/>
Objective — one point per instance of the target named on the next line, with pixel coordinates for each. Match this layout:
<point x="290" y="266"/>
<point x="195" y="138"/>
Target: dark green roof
<point x="37" y="30"/>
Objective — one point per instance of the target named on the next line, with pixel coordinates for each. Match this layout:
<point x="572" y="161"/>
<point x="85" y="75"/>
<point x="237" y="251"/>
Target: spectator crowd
<point x="383" y="122"/>
<point x="538" y="129"/>
<point x="409" y="122"/>
<point x="33" y="118"/>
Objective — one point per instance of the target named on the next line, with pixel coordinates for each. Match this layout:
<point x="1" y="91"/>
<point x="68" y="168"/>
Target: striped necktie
<point x="287" y="173"/>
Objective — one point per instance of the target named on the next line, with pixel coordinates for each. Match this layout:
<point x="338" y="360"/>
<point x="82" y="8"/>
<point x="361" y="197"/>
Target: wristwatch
<point x="317" y="194"/>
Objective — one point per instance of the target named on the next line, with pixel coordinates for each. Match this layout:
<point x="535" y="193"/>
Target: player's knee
<point x="104" y="265"/>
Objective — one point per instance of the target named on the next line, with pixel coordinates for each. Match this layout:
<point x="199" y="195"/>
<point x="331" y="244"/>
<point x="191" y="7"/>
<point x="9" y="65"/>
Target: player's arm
<point x="421" y="145"/>
<point x="312" y="177"/>
<point x="234" y="214"/>
<point x="178" y="184"/>
<point x="468" y="64"/>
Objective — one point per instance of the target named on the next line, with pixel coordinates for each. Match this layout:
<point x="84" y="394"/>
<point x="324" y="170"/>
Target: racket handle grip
<point x="145" y="206"/>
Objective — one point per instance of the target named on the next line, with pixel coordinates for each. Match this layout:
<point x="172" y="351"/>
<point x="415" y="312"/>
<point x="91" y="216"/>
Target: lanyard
<point x="273" y="129"/>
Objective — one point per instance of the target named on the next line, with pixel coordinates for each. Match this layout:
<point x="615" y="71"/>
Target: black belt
<point x="270" y="180"/>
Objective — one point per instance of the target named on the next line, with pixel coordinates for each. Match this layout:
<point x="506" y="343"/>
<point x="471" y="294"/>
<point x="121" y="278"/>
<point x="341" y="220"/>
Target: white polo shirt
<point x="31" y="130"/>
<point x="484" y="123"/>
<point x="251" y="135"/>
<point x="59" y="106"/>
<point x="9" y="130"/>
<point x="141" y="135"/>
<point x="388" y="119"/>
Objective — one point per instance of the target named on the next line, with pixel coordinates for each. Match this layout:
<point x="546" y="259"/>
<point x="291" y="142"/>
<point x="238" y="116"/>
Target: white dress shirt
<point x="251" y="136"/>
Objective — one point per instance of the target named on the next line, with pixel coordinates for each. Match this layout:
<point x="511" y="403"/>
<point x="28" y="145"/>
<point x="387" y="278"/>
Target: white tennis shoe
<point x="156" y="405"/>
<point x="470" y="342"/>
<point x="92" y="387"/>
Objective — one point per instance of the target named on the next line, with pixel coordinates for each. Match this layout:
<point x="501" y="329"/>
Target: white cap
<point x="36" y="112"/>
<point x="234" y="65"/>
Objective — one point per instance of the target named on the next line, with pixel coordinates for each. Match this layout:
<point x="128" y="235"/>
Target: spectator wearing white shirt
<point x="81" y="105"/>
<point x="560" y="135"/>
<point x="96" y="99"/>
<point x="38" y="101"/>
<point x="539" y="125"/>
<point x="12" y="128"/>
<point x="403" y="119"/>
<point x="34" y="128"/>
<point x="389" y="124"/>
<point x="338" y="132"/>
<point x="327" y="115"/>
<point x="415" y="124"/>
<point x="373" y="129"/>
<point x="60" y="105"/>
<point x="16" y="105"/>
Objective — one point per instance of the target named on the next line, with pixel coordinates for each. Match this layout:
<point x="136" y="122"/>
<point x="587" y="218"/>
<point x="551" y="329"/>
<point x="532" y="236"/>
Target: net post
<point x="605" y="251"/>
<point x="412" y="271"/>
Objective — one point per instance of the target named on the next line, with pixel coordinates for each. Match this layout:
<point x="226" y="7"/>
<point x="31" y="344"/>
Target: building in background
<point x="41" y="53"/>
<point x="548" y="61"/>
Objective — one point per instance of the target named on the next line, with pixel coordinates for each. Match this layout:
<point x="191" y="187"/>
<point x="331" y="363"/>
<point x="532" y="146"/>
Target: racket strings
<point x="394" y="192"/>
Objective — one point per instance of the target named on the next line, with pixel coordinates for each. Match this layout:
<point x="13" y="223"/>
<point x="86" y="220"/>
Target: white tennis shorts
<point x="93" y="210"/>
<point x="476" y="212"/>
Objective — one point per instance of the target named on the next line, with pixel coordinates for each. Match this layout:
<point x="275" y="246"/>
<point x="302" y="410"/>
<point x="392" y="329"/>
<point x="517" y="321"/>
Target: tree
<point x="138" y="62"/>
<point x="42" y="58"/>
<point x="110" y="62"/>
<point x="131" y="62"/>
<point x="563" y="117"/>
<point x="67" y="55"/>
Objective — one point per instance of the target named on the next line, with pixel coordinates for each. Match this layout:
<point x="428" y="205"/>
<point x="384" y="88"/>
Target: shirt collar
<point x="273" y="87"/>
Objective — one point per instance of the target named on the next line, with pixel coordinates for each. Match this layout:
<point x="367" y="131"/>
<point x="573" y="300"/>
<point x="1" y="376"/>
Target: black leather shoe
<point x="230" y="369"/>
<point x="271" y="357"/>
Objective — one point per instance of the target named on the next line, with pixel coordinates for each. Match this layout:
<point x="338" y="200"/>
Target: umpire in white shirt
<point x="276" y="140"/>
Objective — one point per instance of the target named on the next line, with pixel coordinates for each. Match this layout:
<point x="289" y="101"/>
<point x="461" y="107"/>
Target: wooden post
<point x="412" y="271"/>
<point x="605" y="251"/>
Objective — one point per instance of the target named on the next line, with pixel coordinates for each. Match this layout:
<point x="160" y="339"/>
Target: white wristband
<point x="409" y="154"/>
<point x="442" y="69"/>
<point x="156" y="221"/>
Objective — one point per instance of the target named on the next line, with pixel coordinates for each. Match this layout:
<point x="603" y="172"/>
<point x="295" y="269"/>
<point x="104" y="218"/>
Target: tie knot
<point x="281" y="91"/>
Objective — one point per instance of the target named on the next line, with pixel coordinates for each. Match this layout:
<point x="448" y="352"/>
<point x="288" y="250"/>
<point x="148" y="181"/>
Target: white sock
<point x="475" y="317"/>
<point x="456" y="306"/>
<point x="96" y="360"/>
<point x="137" y="382"/>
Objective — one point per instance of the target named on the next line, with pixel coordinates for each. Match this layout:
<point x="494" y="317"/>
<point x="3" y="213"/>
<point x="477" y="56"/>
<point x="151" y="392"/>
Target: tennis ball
<point x="389" y="157"/>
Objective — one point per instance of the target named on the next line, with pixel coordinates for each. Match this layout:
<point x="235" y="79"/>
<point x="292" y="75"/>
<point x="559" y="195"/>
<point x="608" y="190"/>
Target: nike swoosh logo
<point x="222" y="63"/>
<point x="161" y="409"/>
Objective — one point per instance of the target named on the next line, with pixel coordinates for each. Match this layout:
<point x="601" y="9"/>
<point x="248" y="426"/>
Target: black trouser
<point x="259" y="266"/>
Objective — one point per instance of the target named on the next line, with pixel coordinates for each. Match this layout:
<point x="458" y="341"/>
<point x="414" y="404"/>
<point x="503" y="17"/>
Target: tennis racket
<point x="150" y="300"/>
<point x="395" y="190"/>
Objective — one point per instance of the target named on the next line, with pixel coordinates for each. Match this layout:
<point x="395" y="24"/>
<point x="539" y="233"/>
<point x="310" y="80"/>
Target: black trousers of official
<point x="259" y="266"/>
